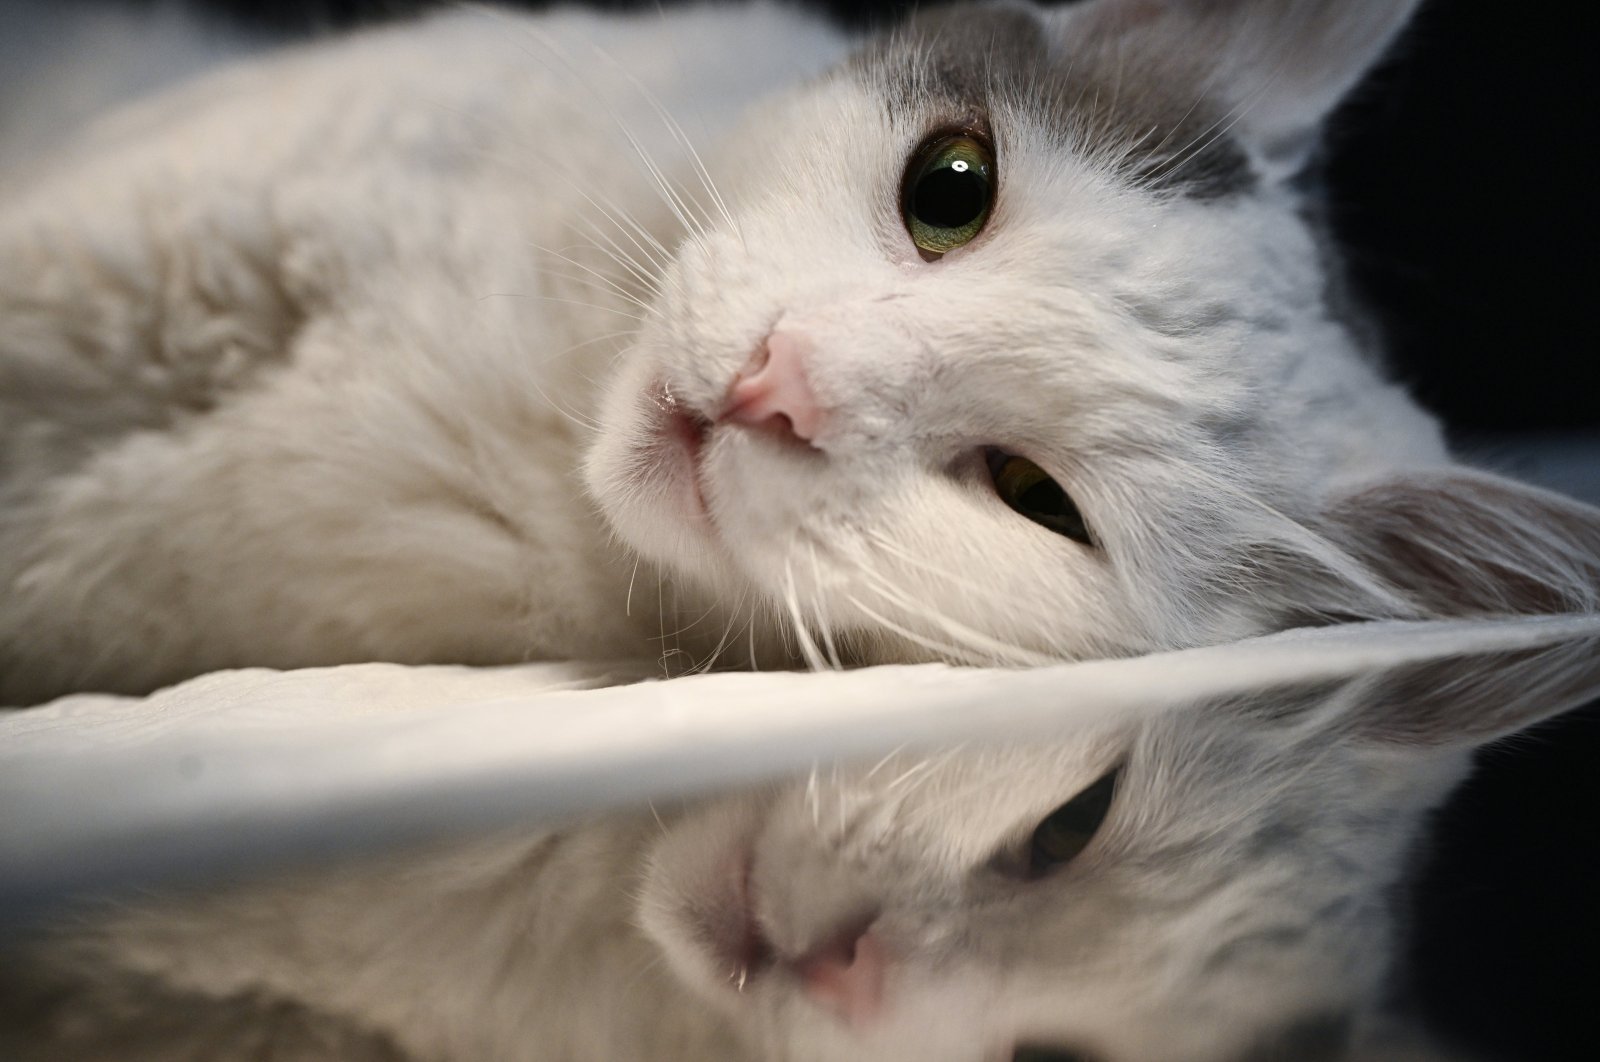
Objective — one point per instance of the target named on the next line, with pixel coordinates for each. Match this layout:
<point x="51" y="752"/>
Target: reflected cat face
<point x="1211" y="886"/>
<point x="1009" y="340"/>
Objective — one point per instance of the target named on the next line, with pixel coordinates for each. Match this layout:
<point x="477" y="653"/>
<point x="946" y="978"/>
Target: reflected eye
<point x="948" y="189"/>
<point x="1029" y="1053"/>
<point x="1029" y="491"/>
<point x="1067" y="830"/>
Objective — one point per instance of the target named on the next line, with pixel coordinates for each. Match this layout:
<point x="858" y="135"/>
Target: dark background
<point x="1461" y="189"/>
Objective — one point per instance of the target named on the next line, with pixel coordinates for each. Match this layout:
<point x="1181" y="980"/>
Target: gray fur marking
<point x="1139" y="111"/>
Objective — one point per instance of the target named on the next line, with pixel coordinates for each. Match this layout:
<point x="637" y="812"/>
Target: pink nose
<point x="846" y="975"/>
<point x="771" y="391"/>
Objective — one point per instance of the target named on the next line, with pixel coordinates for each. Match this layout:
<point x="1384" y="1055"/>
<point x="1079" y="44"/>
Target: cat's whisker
<point x="655" y="284"/>
<point x="728" y="631"/>
<point x="627" y="608"/>
<point x="881" y="764"/>
<point x="750" y="631"/>
<point x="1223" y="125"/>
<point x="591" y="341"/>
<point x="662" y="184"/>
<point x="1035" y="613"/>
<point x="603" y="289"/>
<point x="644" y="242"/>
<point x="639" y="234"/>
<point x="557" y="298"/>
<point x="946" y="649"/>
<point x="970" y="638"/>
<point x="667" y="191"/>
<point x="824" y="628"/>
<point x="1379" y="600"/>
<point x="941" y="762"/>
<point x="661" y="619"/>
<point x="905" y="776"/>
<point x="808" y="647"/>
<point x="593" y="278"/>
<point x="1174" y="126"/>
<point x="678" y="134"/>
<point x="585" y="423"/>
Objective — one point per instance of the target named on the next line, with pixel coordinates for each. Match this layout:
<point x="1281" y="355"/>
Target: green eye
<point x="1029" y="491"/>
<point x="1067" y="830"/>
<point x="948" y="190"/>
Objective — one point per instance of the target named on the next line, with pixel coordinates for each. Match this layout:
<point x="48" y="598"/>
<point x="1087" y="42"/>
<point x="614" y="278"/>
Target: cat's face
<point x="821" y="419"/>
<point x="1228" y="903"/>
<point x="1208" y="884"/>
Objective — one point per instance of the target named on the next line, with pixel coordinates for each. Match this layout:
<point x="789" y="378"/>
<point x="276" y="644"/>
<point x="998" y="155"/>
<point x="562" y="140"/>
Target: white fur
<point x="288" y="377"/>
<point x="297" y="363"/>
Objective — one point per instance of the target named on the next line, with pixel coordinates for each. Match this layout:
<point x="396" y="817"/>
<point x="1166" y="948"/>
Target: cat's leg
<point x="122" y="311"/>
<point x="129" y="311"/>
<point x="264" y="422"/>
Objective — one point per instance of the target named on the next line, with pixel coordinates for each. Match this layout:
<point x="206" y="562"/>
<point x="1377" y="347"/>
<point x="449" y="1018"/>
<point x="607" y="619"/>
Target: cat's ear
<point x="1458" y="543"/>
<point x="1455" y="543"/>
<point x="1274" y="69"/>
<point x="1480" y="695"/>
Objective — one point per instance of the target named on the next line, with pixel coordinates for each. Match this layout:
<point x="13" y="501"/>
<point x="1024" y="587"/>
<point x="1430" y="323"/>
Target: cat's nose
<point x="772" y="392"/>
<point x="846" y="974"/>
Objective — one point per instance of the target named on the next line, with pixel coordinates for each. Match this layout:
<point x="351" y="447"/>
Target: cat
<point x="302" y="362"/>
<point x="1007" y="336"/>
<point x="1212" y="882"/>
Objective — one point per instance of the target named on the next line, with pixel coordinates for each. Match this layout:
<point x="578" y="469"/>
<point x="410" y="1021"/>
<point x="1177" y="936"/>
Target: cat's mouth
<point x="734" y="934"/>
<point x="681" y="431"/>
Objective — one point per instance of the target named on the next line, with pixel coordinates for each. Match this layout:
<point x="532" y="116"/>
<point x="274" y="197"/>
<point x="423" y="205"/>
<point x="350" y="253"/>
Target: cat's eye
<point x="1030" y="492"/>
<point x="1068" y="829"/>
<point x="947" y="192"/>
<point x="1035" y="1053"/>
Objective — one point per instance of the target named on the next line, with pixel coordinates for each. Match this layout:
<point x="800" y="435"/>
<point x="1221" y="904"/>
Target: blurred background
<point x="1458" y="189"/>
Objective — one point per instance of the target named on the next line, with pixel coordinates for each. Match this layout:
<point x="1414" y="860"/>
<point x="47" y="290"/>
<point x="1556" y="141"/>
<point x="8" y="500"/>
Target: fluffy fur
<point x="305" y="362"/>
<point x="1233" y="907"/>
<point x="300" y="362"/>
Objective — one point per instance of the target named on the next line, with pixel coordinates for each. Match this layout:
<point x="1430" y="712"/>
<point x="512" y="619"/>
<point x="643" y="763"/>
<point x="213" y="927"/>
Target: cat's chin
<point x="698" y="906"/>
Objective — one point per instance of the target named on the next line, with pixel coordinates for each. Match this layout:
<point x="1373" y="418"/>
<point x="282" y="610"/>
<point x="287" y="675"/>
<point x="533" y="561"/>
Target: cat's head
<point x="1010" y="337"/>
<point x="1211" y="885"/>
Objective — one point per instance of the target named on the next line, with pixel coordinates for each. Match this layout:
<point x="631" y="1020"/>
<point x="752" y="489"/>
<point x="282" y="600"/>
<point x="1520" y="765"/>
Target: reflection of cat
<point x="1209" y="884"/>
<point x="1005" y="339"/>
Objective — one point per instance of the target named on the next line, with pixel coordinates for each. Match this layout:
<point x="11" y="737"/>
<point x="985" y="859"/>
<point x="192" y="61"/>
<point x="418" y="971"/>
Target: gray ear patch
<point x="962" y="65"/>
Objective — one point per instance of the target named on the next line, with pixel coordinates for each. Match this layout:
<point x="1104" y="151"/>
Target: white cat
<point x="1005" y="337"/>
<point x="1215" y="882"/>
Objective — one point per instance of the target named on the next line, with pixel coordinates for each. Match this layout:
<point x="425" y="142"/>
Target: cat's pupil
<point x="951" y="196"/>
<point x="1031" y="1053"/>
<point x="1068" y="829"/>
<point x="947" y="193"/>
<point x="1030" y="491"/>
<point x="1045" y="498"/>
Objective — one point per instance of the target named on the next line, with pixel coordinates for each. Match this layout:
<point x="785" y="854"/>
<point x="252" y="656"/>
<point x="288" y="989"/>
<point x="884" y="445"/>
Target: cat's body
<point x="299" y="307"/>
<point x="295" y="367"/>
<point x="299" y="361"/>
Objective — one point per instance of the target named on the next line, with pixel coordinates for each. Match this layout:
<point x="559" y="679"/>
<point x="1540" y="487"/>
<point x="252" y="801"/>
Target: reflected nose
<point x="773" y="393"/>
<point x="846" y="973"/>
